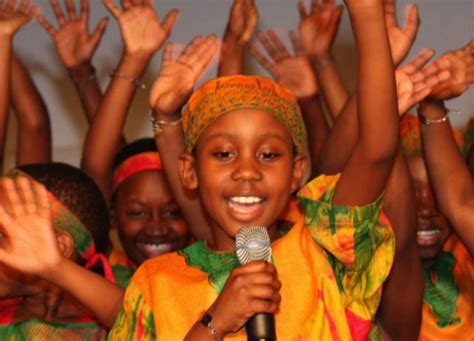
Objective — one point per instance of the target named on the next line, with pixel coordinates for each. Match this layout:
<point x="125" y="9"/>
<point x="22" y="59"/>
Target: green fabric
<point x="218" y="266"/>
<point x="441" y="292"/>
<point x="39" y="330"/>
<point x="123" y="274"/>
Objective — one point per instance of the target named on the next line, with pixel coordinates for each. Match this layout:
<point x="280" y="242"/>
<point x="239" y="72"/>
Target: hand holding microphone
<point x="250" y="289"/>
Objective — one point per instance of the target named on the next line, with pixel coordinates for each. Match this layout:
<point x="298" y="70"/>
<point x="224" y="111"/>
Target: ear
<point x="187" y="171"/>
<point x="65" y="243"/>
<point x="300" y="163"/>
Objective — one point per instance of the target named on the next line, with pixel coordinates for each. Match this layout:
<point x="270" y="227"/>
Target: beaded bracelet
<point x="134" y="80"/>
<point x="207" y="322"/>
<point x="157" y="124"/>
<point x="428" y="121"/>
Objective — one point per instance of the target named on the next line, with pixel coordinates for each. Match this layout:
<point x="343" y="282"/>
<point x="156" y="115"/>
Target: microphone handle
<point x="261" y="327"/>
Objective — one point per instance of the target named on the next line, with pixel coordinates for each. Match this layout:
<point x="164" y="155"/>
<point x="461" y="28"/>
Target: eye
<point x="223" y="155"/>
<point x="137" y="213"/>
<point x="172" y="214"/>
<point x="268" y="156"/>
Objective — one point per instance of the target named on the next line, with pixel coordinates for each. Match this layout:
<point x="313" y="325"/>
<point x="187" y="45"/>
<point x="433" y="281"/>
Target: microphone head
<point x="252" y="243"/>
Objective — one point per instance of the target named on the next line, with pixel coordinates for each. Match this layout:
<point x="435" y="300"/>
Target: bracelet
<point x="207" y="322"/>
<point x="81" y="83"/>
<point x="157" y="124"/>
<point x="428" y="121"/>
<point x="321" y="64"/>
<point x="134" y="80"/>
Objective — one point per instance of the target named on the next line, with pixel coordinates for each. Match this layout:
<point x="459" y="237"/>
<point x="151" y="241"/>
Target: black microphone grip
<point x="261" y="327"/>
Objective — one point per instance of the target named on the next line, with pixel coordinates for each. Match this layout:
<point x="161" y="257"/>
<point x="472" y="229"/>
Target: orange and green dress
<point x="122" y="267"/>
<point x="332" y="264"/>
<point x="448" y="298"/>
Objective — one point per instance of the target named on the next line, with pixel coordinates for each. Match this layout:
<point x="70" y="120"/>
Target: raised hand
<point x="318" y="28"/>
<point x="250" y="289"/>
<point x="176" y="79"/>
<point x="74" y="43"/>
<point x="141" y="29"/>
<point x="26" y="226"/>
<point x="415" y="82"/>
<point x="242" y="21"/>
<point x="294" y="72"/>
<point x="461" y="66"/>
<point x="401" y="39"/>
<point x="11" y="19"/>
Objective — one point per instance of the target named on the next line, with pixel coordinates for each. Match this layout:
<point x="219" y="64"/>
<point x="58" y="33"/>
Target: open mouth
<point x="151" y="249"/>
<point x="428" y="237"/>
<point x="245" y="207"/>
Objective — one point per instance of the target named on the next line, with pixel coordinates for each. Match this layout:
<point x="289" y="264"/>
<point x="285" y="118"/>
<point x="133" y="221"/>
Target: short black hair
<point x="133" y="148"/>
<point x="79" y="193"/>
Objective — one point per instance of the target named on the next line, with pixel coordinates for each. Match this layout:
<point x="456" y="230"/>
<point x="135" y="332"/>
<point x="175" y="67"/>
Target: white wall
<point x="446" y="24"/>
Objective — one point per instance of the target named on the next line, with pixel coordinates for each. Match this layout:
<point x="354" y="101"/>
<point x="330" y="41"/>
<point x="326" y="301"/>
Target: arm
<point x="143" y="35"/>
<point x="28" y="229"/>
<point x="34" y="131"/>
<point x="243" y="18"/>
<point x="294" y="73"/>
<point x="76" y="47"/>
<point x="367" y="170"/>
<point x="318" y="30"/>
<point x="11" y="21"/>
<point x="169" y="93"/>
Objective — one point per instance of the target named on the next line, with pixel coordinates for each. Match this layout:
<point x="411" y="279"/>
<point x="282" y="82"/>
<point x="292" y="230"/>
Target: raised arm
<point x="294" y="72"/>
<point x="76" y="47"/>
<point x="142" y="35"/>
<point x="243" y="18"/>
<point x="28" y="229"/>
<point x="450" y="177"/>
<point x="34" y="131"/>
<point x="12" y="18"/>
<point x="317" y="30"/>
<point x="169" y="93"/>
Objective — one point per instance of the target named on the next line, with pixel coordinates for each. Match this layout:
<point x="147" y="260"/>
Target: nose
<point x="247" y="168"/>
<point x="157" y="226"/>
<point x="426" y="204"/>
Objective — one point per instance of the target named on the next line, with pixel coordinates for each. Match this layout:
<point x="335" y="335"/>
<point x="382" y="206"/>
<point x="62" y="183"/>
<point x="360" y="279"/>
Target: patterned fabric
<point x="410" y="130"/>
<point x="136" y="164"/>
<point x="64" y="219"/>
<point x="330" y="289"/>
<point x="222" y="95"/>
<point x="122" y="267"/>
<point x="448" y="311"/>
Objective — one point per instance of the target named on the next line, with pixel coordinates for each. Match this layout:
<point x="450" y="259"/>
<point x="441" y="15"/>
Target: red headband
<point x="136" y="164"/>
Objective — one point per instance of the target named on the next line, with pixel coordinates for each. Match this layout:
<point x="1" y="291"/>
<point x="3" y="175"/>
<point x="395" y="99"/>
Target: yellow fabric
<point x="329" y="292"/>
<point x="463" y="273"/>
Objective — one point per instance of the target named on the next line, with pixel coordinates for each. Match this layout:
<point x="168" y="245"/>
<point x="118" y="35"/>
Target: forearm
<point x="170" y="144"/>
<point x="400" y="316"/>
<point x="5" y="54"/>
<point x="316" y="125"/>
<point x="333" y="89"/>
<point x="449" y="175"/>
<point x="34" y="131"/>
<point x="87" y="88"/>
<point x="104" y="135"/>
<point x="199" y="333"/>
<point x="101" y="297"/>
<point x="231" y="59"/>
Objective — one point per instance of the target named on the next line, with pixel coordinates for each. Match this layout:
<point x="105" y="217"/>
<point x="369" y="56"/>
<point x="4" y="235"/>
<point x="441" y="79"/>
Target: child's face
<point x="148" y="219"/>
<point x="245" y="169"/>
<point x="433" y="228"/>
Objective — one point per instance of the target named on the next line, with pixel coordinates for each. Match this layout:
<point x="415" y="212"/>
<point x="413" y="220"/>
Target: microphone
<point x="253" y="244"/>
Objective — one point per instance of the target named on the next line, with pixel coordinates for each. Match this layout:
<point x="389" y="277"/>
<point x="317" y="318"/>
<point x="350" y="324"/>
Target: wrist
<point x="216" y="324"/>
<point x="232" y="42"/>
<point x="52" y="271"/>
<point x="320" y="61"/>
<point x="81" y="72"/>
<point x="431" y="109"/>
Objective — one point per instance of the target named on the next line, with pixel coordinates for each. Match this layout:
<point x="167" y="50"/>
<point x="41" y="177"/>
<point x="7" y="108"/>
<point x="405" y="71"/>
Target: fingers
<point x="412" y="22"/>
<point x="58" y="12"/>
<point x="273" y="45"/>
<point x="126" y="4"/>
<point x="71" y="11"/>
<point x="264" y="61"/>
<point x="113" y="9"/>
<point x="302" y="10"/>
<point x="99" y="31"/>
<point x="42" y="200"/>
<point x="419" y="61"/>
<point x="10" y="198"/>
<point x="29" y="201"/>
<point x="46" y="25"/>
<point x="169" y="20"/>
<point x="167" y="56"/>
<point x="85" y="10"/>
<point x="335" y="20"/>
<point x="296" y="43"/>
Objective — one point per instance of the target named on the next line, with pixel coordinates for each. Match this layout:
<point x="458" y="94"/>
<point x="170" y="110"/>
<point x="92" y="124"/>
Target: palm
<point x="400" y="44"/>
<point x="74" y="45"/>
<point x="459" y="62"/>
<point x="141" y="30"/>
<point x="11" y="20"/>
<point x="295" y="74"/>
<point x="405" y="90"/>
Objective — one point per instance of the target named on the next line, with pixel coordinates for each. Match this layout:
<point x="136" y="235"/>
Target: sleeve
<point x="135" y="320"/>
<point x="359" y="242"/>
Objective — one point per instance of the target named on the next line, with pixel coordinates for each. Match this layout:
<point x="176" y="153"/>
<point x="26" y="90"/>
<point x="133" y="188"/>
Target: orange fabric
<point x="136" y="164"/>
<point x="463" y="272"/>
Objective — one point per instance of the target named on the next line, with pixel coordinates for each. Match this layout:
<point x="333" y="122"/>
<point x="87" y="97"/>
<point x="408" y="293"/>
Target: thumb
<point x="169" y="20"/>
<point x="99" y="31"/>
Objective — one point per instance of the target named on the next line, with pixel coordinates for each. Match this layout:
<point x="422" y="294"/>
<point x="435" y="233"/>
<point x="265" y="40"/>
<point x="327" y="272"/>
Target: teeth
<point x="246" y="200"/>
<point x="154" y="248"/>
<point x="428" y="233"/>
